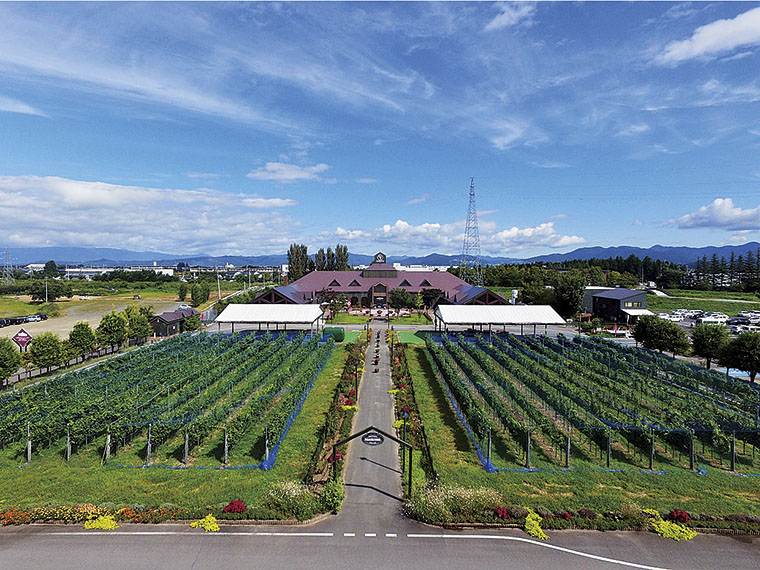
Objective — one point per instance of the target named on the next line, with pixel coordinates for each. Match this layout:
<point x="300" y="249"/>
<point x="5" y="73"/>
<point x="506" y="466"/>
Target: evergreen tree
<point x="182" y="291"/>
<point x="341" y="258"/>
<point x="320" y="260"/>
<point x="330" y="260"/>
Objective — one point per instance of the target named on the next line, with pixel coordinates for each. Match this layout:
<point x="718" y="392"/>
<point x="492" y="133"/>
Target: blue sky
<point x="228" y="128"/>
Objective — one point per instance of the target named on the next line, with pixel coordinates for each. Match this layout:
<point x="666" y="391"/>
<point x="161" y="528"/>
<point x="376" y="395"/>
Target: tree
<point x="199" y="293"/>
<point x="46" y="350"/>
<point x="658" y="334"/>
<point x="568" y="293"/>
<point x="298" y="261"/>
<point x="55" y="290"/>
<point x="400" y="299"/>
<point x="182" y="291"/>
<point x="341" y="258"/>
<point x="320" y="260"/>
<point x="112" y="329"/>
<point x="50" y="269"/>
<point x="10" y="359"/>
<point x="82" y="339"/>
<point x="147" y="312"/>
<point x="330" y="260"/>
<point x="708" y="341"/>
<point x="430" y="297"/>
<point x="193" y="323"/>
<point x="744" y="353"/>
<point x="138" y="327"/>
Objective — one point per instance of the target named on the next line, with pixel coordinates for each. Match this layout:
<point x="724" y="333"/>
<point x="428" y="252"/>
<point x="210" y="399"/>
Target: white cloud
<point x="418" y="200"/>
<point x="543" y="235"/>
<point x="721" y="214"/>
<point x="506" y="134"/>
<point x="447" y="238"/>
<point x="61" y="211"/>
<point x="631" y="130"/>
<point x="9" y="105"/>
<point x="512" y="14"/>
<point x="638" y="223"/>
<point x="713" y="39"/>
<point x="549" y="164"/>
<point x="285" y="173"/>
<point x="366" y="180"/>
<point x="203" y="175"/>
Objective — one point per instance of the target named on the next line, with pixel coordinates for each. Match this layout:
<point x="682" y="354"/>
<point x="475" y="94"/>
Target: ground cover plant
<point x="712" y="496"/>
<point x="50" y="479"/>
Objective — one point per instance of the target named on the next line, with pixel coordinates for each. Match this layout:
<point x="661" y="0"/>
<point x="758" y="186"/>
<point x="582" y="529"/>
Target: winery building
<point x="370" y="287"/>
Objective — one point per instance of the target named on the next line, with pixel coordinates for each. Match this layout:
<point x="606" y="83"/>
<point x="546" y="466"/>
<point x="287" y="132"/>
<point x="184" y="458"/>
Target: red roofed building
<point x="370" y="287"/>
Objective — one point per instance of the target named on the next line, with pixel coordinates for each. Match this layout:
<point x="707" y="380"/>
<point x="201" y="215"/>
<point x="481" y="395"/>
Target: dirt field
<point x="90" y="311"/>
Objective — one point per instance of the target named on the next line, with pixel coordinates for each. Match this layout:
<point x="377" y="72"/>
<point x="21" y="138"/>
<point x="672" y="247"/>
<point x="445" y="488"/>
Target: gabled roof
<point x="498" y="315"/>
<point x="174" y="316"/>
<point x="269" y="313"/>
<point x="618" y="293"/>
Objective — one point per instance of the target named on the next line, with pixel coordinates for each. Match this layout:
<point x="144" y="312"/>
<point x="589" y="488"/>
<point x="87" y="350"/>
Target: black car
<point x="738" y="321"/>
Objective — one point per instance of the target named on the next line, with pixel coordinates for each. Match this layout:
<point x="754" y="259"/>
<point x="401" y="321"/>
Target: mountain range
<point x="100" y="256"/>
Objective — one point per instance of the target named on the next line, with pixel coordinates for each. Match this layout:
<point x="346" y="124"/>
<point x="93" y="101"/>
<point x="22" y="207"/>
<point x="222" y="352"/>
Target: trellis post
<point x="733" y="451"/>
<point x="691" y="449"/>
<point x="187" y="445"/>
<point x="68" y="444"/>
<point x="266" y="443"/>
<point x="108" y="447"/>
<point x="609" y="447"/>
<point x="651" y="449"/>
<point x="567" y="450"/>
<point x="147" y="453"/>
<point x="28" y="442"/>
<point x="226" y="447"/>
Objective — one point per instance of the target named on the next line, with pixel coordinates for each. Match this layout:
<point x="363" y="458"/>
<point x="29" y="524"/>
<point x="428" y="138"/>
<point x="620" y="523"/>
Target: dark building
<point x="370" y="287"/>
<point x="172" y="322"/>
<point x="620" y="305"/>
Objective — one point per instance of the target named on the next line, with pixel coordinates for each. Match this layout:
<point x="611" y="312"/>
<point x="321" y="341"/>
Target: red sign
<point x="22" y="338"/>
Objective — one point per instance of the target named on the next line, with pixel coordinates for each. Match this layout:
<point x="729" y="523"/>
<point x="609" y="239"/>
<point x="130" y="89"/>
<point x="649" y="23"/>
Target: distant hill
<point x="674" y="254"/>
<point x="102" y="256"/>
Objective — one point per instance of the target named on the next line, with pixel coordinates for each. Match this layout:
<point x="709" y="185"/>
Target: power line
<point x="7" y="268"/>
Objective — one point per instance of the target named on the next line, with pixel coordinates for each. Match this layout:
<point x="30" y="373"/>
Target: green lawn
<point x="348" y="319"/>
<point x="351" y="336"/>
<point x="738" y="295"/>
<point x="51" y="479"/>
<point x="667" y="304"/>
<point x="10" y="307"/>
<point x="413" y="319"/>
<point x="585" y="485"/>
<point x="408" y="337"/>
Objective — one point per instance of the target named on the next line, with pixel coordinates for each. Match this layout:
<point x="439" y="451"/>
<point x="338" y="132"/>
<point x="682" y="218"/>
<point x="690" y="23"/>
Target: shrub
<point x="291" y="499"/>
<point x="533" y="526"/>
<point x="448" y="504"/>
<point x="668" y="529"/>
<point x="101" y="522"/>
<point x="208" y="524"/>
<point x="543" y="513"/>
<point x="631" y="510"/>
<point x="587" y="514"/>
<point x="679" y="516"/>
<point x="333" y="495"/>
<point x="235" y="507"/>
<point x="517" y="512"/>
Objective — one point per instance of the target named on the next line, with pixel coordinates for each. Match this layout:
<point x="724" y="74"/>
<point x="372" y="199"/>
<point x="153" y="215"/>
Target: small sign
<point x="372" y="438"/>
<point x="22" y="338"/>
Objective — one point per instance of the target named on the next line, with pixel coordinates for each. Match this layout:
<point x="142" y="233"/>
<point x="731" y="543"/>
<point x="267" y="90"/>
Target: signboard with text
<point x="22" y="338"/>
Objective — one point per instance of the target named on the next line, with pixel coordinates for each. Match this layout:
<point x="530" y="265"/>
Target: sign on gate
<point x="372" y="438"/>
<point x="22" y="338"/>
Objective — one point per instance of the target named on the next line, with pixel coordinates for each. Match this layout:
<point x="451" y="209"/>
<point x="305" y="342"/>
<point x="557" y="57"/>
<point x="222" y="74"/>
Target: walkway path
<point x="373" y="473"/>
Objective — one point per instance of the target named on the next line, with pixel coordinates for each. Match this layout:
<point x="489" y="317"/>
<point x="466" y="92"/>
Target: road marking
<point x="370" y="534"/>
<point x="391" y="535"/>
<point x="189" y="533"/>
<point x="349" y="534"/>
<point x="543" y="544"/>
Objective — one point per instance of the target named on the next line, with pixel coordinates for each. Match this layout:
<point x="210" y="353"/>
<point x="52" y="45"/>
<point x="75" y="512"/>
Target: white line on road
<point x="370" y="534"/>
<point x="390" y="535"/>
<point x="349" y="534"/>
<point x="551" y="546"/>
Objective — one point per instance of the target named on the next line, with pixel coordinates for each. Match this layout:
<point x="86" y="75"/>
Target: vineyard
<point x="190" y="400"/>
<point x="545" y="403"/>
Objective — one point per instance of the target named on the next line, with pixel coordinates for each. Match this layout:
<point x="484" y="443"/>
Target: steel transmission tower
<point x="471" y="245"/>
<point x="7" y="268"/>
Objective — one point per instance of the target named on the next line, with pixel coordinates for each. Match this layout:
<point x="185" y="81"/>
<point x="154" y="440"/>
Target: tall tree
<point x="112" y="329"/>
<point x="658" y="334"/>
<point x="400" y="299"/>
<point x="298" y="265"/>
<point x="51" y="290"/>
<point x="82" y="339"/>
<point x="193" y="323"/>
<point x="10" y="359"/>
<point x="430" y="297"/>
<point x="320" y="260"/>
<point x="138" y="327"/>
<point x="341" y="258"/>
<point x="46" y="350"/>
<point x="182" y="291"/>
<point x="568" y="293"/>
<point x="330" y="260"/>
<point x="708" y="341"/>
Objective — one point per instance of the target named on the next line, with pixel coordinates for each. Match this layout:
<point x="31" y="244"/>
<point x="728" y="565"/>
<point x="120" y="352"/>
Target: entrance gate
<point x="373" y="436"/>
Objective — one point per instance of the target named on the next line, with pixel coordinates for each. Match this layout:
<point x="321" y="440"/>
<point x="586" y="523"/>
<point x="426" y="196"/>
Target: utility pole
<point x="218" y="286"/>
<point x="46" y="291"/>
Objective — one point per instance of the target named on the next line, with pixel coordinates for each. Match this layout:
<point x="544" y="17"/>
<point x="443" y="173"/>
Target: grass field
<point x="585" y="485"/>
<point x="49" y="478"/>
<point x="667" y="304"/>
<point x="737" y="295"/>
<point x="348" y="319"/>
<point x="408" y="337"/>
<point x="413" y="319"/>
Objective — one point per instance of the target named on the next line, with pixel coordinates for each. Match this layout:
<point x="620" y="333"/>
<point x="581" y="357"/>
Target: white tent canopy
<point x="637" y="312"/>
<point x="495" y="315"/>
<point x="274" y="314"/>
